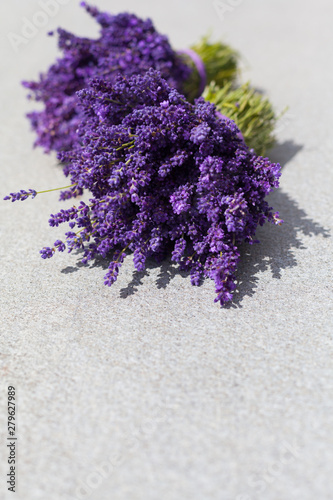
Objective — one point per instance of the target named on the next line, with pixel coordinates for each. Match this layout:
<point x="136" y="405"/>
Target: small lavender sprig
<point x="23" y="195"/>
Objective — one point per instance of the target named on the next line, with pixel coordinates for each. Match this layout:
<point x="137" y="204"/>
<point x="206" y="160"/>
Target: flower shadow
<point x="167" y="271"/>
<point x="283" y="152"/>
<point x="132" y="287"/>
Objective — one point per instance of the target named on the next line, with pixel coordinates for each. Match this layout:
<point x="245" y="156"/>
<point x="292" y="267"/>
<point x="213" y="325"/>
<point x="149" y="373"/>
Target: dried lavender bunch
<point x="129" y="45"/>
<point x="126" y="45"/>
<point x="167" y="177"/>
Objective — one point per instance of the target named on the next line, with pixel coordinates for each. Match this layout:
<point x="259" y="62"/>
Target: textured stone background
<point x="148" y="390"/>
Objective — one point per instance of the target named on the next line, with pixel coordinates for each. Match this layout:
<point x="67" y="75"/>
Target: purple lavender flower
<point x="21" y="195"/>
<point x="166" y="176"/>
<point x="126" y="45"/>
<point x="60" y="245"/>
<point x="47" y="252"/>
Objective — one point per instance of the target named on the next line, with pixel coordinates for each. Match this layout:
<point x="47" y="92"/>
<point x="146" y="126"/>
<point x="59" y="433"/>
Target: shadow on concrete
<point x="167" y="271"/>
<point x="71" y="269"/>
<point x="283" y="152"/>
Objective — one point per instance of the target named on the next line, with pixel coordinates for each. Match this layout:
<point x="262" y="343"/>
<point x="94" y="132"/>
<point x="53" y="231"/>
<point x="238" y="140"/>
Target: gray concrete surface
<point x="149" y="390"/>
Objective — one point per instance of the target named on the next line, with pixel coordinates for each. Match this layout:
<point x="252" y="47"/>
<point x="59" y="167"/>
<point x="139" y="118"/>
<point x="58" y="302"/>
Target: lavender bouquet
<point x="128" y="45"/>
<point x="166" y="177"/>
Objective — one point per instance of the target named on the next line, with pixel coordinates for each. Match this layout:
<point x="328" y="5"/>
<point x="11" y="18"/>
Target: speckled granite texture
<point x="148" y="390"/>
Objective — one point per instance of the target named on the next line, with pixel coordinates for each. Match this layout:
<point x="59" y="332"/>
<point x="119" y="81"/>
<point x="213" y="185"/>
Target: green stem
<point x="56" y="189"/>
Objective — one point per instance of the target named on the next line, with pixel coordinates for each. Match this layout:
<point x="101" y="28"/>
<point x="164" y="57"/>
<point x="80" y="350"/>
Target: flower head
<point x="127" y="45"/>
<point x="21" y="195"/>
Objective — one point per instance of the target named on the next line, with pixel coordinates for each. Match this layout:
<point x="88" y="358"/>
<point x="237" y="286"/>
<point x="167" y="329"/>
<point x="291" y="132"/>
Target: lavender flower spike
<point x="127" y="45"/>
<point x="21" y="195"/>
